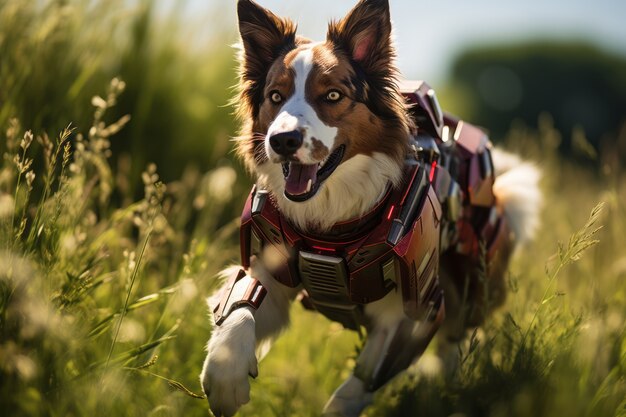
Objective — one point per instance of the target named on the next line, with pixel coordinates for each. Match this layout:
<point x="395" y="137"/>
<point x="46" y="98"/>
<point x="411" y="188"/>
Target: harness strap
<point x="242" y="290"/>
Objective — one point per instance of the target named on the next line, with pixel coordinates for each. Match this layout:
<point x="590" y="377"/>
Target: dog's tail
<point x="517" y="191"/>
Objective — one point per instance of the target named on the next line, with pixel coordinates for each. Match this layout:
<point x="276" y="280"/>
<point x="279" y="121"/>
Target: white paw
<point x="229" y="362"/>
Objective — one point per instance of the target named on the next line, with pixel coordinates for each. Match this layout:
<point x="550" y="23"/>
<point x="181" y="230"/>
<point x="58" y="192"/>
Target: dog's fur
<point x="290" y="83"/>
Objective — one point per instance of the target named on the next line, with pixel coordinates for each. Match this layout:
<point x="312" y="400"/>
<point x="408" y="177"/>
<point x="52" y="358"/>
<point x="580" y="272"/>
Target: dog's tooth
<point x="309" y="185"/>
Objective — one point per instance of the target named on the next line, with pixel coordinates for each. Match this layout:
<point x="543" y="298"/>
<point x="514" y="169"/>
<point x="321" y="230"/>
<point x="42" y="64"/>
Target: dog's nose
<point x="286" y="143"/>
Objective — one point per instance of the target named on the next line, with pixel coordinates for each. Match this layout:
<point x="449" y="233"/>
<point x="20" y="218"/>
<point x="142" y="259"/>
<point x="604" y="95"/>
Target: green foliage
<point x="57" y="54"/>
<point x="555" y="347"/>
<point x="103" y="314"/>
<point x="582" y="86"/>
<point x="102" y="287"/>
<point x="90" y="290"/>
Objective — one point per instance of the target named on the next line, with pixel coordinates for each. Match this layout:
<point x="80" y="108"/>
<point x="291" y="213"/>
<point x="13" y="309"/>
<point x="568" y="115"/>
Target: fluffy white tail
<point x="517" y="190"/>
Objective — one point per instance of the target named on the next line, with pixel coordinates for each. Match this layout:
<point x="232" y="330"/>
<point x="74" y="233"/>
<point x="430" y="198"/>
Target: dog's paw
<point x="229" y="362"/>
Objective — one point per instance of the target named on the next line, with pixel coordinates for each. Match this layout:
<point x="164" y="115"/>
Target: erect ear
<point x="365" y="33"/>
<point x="264" y="35"/>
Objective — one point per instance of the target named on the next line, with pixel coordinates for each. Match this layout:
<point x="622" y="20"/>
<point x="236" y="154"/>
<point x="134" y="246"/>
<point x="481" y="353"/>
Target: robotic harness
<point x="446" y="204"/>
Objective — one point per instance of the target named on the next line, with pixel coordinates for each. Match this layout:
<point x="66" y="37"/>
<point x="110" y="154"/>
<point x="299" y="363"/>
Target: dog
<point x="370" y="205"/>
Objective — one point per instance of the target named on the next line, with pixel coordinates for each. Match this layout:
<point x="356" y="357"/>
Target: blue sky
<point x="429" y="33"/>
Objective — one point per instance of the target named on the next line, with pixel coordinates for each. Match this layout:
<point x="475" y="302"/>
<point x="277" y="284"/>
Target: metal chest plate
<point x="446" y="203"/>
<point x="325" y="279"/>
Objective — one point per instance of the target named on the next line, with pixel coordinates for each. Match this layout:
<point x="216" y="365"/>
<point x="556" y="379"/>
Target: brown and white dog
<point x="333" y="113"/>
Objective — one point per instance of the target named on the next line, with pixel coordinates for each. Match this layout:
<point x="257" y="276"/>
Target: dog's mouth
<point x="302" y="181"/>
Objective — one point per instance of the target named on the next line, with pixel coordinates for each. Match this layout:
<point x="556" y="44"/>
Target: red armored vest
<point x="446" y="203"/>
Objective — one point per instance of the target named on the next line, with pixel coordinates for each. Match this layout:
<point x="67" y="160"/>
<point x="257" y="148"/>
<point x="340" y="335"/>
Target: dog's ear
<point x="264" y="35"/>
<point x="365" y="34"/>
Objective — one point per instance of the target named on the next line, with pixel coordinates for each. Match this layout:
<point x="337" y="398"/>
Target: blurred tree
<point x="580" y="85"/>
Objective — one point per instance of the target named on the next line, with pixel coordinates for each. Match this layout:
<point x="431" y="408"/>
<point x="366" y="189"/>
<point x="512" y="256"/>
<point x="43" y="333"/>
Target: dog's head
<point x="309" y="108"/>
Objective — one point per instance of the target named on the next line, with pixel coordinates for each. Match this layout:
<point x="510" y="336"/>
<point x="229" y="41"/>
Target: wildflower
<point x="98" y="102"/>
<point x="11" y="134"/>
<point x="117" y="86"/>
<point x="130" y="259"/>
<point x="30" y="177"/>
<point x="22" y="165"/>
<point x="27" y="140"/>
<point x="159" y="224"/>
<point x="47" y="146"/>
<point x="67" y="153"/>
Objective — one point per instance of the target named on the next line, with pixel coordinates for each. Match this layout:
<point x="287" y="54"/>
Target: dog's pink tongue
<point x="297" y="182"/>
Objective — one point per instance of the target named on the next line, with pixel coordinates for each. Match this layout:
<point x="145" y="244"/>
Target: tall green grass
<point x="106" y="259"/>
<point x="102" y="304"/>
<point x="557" y="347"/>
<point x="57" y="54"/>
<point x="90" y="290"/>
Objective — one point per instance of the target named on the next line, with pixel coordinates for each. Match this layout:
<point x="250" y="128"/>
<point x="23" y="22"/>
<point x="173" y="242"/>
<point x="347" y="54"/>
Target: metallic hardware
<point x="441" y="207"/>
<point x="434" y="104"/>
<point x="486" y="166"/>
<point x="424" y="264"/>
<point x="389" y="271"/>
<point x="454" y="202"/>
<point x="242" y="290"/>
<point x="415" y="197"/>
<point x="255" y="244"/>
<point x="445" y="134"/>
<point x="427" y="148"/>
<point x="424" y="107"/>
<point x="325" y="280"/>
<point x="258" y="201"/>
<point x="323" y="276"/>
<point x="457" y="131"/>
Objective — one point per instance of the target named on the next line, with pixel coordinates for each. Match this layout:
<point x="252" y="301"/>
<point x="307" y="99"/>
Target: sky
<point x="429" y="34"/>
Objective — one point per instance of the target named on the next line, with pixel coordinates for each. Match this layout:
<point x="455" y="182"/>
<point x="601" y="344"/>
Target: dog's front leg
<point x="389" y="350"/>
<point x="393" y="343"/>
<point x="231" y="350"/>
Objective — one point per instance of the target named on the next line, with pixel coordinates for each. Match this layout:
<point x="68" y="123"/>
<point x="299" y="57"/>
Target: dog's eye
<point x="333" y="96"/>
<point x="275" y="97"/>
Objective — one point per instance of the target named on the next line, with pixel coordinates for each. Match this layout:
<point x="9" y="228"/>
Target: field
<point x="106" y="260"/>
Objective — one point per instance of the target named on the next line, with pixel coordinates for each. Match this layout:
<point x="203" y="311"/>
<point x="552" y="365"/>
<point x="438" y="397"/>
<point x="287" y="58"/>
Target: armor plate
<point x="446" y="203"/>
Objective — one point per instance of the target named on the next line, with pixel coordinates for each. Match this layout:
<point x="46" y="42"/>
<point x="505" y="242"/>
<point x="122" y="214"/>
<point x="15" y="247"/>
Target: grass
<point x="102" y="305"/>
<point x="57" y="54"/>
<point x="106" y="260"/>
